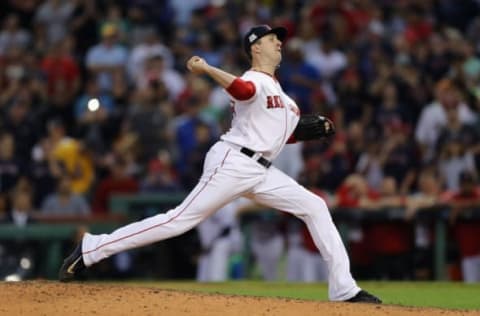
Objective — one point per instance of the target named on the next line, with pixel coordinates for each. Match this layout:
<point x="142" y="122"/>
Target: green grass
<point x="423" y="294"/>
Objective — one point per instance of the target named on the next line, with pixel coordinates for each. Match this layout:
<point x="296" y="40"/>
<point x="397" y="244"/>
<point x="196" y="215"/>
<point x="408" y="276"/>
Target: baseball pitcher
<point x="239" y="164"/>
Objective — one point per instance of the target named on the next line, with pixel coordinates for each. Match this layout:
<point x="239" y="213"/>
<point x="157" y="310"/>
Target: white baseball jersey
<point x="265" y="121"/>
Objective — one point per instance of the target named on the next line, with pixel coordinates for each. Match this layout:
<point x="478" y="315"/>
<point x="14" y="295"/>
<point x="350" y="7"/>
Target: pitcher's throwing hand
<point x="197" y="65"/>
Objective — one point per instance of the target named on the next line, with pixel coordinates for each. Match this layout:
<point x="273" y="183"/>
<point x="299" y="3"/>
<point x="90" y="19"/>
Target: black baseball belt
<point x="250" y="153"/>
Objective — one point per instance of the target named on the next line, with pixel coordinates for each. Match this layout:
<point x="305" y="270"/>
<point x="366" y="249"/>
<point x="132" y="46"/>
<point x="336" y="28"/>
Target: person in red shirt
<point x="384" y="244"/>
<point x="355" y="193"/>
<point x="118" y="182"/>
<point x="418" y="27"/>
<point x="61" y="69"/>
<point x="390" y="240"/>
<point x="467" y="231"/>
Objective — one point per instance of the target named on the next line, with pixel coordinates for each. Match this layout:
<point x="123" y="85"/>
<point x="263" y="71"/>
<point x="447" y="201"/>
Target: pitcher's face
<point x="270" y="47"/>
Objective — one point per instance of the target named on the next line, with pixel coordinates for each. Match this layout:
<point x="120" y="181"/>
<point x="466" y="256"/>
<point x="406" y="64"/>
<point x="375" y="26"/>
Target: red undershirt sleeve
<point x="241" y="90"/>
<point x="291" y="139"/>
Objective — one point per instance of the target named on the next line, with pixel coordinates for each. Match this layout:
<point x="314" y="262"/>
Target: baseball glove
<point x="313" y="126"/>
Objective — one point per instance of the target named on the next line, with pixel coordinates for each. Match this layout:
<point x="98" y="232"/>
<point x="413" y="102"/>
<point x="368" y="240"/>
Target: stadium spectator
<point x="428" y="192"/>
<point x="205" y="49"/>
<point x="353" y="103"/>
<point x="155" y="69"/>
<point x="390" y="109"/>
<point x="64" y="202"/>
<point x="71" y="157"/>
<point x="116" y="183"/>
<point x="13" y="73"/>
<point x="4" y="212"/>
<point x="473" y="33"/>
<point x="83" y="25"/>
<point x="125" y="147"/>
<point x="434" y="116"/>
<point x="467" y="230"/>
<point x="185" y="125"/>
<point x="140" y="23"/>
<point x="203" y="140"/>
<point x="456" y="148"/>
<point x="12" y="35"/>
<point x="115" y="17"/>
<point x="465" y="133"/>
<point x="39" y="170"/>
<point x="427" y="196"/>
<point x="390" y="241"/>
<point x="353" y="194"/>
<point x="10" y="166"/>
<point x="107" y="57"/>
<point x="150" y="46"/>
<point x="20" y="123"/>
<point x="329" y="60"/>
<point x="61" y="69"/>
<point x="370" y="164"/>
<point x="55" y="14"/>
<point x="161" y="175"/>
<point x="22" y="209"/>
<point x="299" y="79"/>
<point x="148" y="118"/>
<point x="401" y="157"/>
<point x="94" y="110"/>
<point x="453" y="160"/>
<point x="417" y="28"/>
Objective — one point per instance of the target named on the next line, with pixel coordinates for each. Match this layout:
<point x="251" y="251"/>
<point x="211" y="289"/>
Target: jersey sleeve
<point x="244" y="88"/>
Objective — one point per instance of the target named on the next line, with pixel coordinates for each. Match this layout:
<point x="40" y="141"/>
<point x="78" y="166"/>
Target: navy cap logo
<point x="252" y="38"/>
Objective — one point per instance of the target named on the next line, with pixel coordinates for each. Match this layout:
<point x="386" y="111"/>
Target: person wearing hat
<point x="239" y="164"/>
<point x="107" y="57"/>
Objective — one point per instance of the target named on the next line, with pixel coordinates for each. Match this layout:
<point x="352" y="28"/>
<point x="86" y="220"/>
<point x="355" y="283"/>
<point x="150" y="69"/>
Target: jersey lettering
<point x="274" y="102"/>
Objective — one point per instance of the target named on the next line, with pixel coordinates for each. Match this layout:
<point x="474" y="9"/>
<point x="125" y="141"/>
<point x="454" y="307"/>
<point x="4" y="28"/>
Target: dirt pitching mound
<point x="54" y="298"/>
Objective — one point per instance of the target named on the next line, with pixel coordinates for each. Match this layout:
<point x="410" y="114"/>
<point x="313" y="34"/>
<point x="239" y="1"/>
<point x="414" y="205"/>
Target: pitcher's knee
<point x="317" y="208"/>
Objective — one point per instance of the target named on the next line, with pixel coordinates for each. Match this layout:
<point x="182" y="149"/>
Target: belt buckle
<point x="256" y="156"/>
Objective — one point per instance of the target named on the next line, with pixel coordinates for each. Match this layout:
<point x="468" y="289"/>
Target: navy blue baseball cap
<point x="258" y="32"/>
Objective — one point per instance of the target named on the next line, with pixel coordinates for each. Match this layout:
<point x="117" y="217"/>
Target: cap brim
<point x="281" y="32"/>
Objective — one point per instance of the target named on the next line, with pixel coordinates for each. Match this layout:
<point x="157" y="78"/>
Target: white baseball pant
<point x="227" y="175"/>
<point x="213" y="266"/>
<point x="471" y="269"/>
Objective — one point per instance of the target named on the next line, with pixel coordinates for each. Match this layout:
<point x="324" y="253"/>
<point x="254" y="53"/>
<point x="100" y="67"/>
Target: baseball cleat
<point x="72" y="265"/>
<point x="364" y="297"/>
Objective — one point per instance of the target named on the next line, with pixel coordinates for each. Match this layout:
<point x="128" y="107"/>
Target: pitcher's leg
<point x="281" y="192"/>
<point x="205" y="198"/>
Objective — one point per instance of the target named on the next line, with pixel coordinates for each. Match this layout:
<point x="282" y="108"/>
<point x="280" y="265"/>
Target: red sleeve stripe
<point x="241" y="90"/>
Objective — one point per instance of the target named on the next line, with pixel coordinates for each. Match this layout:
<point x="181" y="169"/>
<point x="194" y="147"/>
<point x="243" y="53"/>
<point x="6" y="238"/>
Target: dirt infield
<point x="54" y="298"/>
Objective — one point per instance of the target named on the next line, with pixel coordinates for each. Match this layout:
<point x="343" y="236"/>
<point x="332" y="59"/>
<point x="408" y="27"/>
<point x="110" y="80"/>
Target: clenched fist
<point x="197" y="65"/>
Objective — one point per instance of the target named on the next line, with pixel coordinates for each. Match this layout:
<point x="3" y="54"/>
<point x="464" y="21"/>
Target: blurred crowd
<point x="95" y="100"/>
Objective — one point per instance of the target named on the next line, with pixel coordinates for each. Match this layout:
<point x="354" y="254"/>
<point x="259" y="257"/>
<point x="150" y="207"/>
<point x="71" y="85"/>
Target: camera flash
<point x="93" y="104"/>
